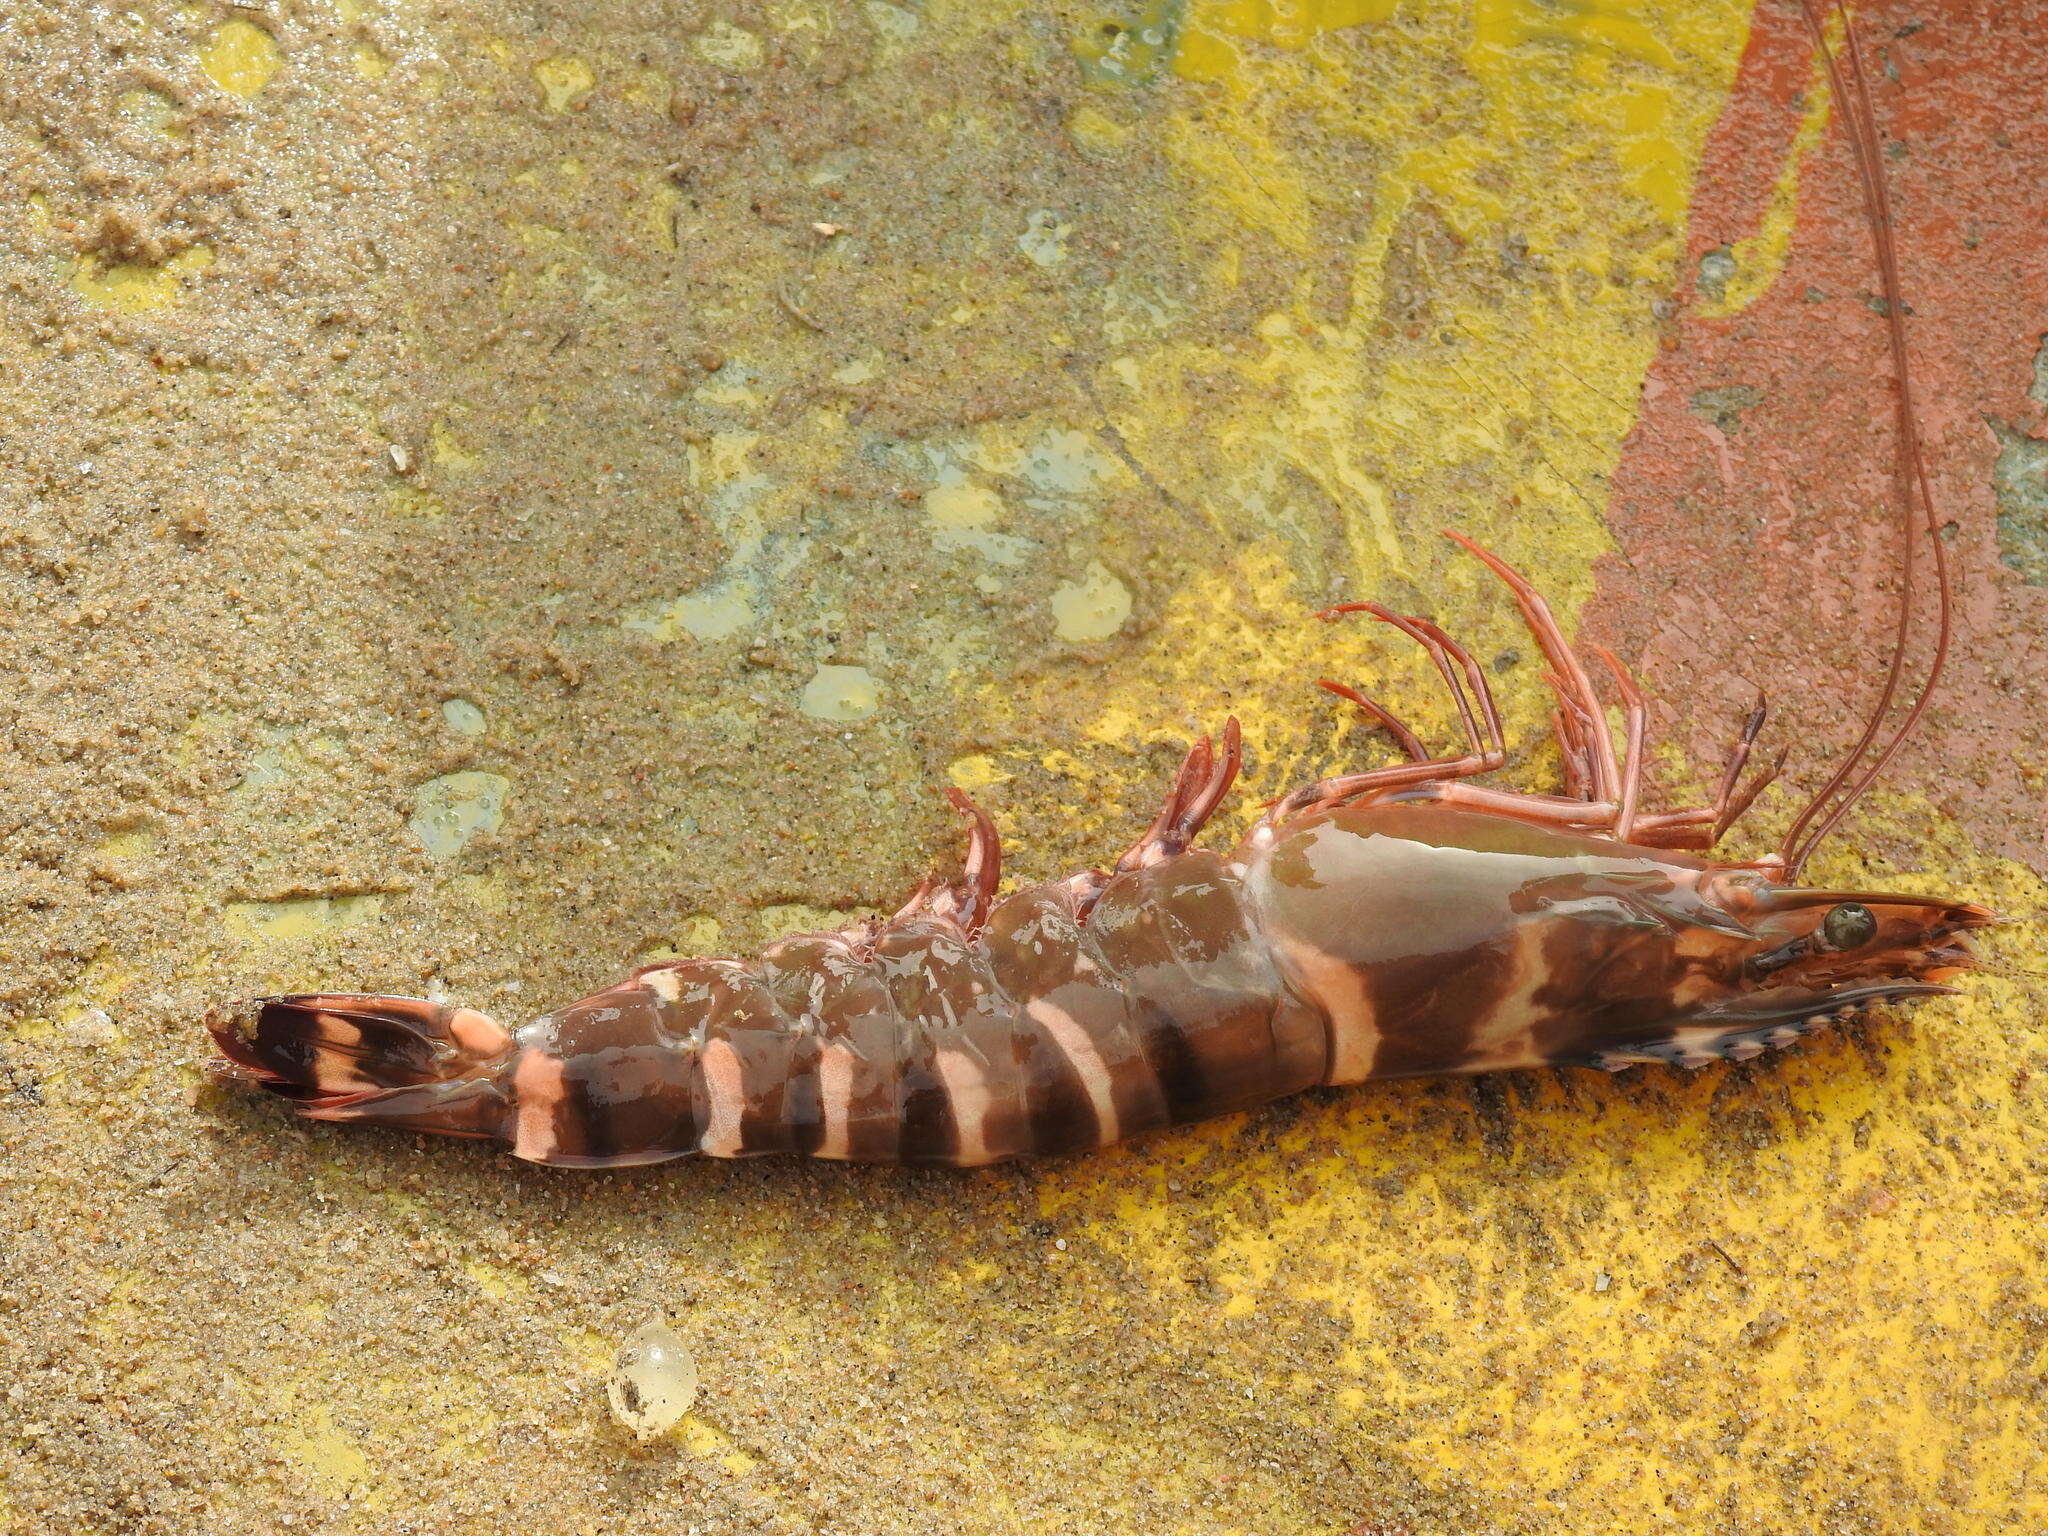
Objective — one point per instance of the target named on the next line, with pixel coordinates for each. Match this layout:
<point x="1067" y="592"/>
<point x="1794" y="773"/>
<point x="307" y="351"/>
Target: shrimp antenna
<point x="1916" y="496"/>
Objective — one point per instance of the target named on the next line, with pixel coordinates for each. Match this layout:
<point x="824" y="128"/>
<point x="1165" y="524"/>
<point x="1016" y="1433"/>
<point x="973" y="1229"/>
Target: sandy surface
<point x="497" y="490"/>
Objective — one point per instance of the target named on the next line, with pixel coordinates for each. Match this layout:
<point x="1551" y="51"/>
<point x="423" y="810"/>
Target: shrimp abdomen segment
<point x="601" y="1083"/>
<point x="1087" y="1079"/>
<point x="963" y="1083"/>
<point x="822" y="986"/>
<point x="757" y="1073"/>
<point x="1220" y="1029"/>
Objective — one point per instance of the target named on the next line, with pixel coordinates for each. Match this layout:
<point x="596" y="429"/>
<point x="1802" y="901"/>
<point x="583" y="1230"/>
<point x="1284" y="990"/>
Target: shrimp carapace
<point x="1385" y="923"/>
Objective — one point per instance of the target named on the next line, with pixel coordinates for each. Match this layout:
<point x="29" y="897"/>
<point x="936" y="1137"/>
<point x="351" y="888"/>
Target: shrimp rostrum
<point x="1398" y="921"/>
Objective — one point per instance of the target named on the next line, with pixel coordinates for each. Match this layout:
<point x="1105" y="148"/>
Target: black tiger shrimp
<point x="1399" y="921"/>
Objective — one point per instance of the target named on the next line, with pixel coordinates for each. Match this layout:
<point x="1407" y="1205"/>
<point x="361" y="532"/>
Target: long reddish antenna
<point x="1916" y="495"/>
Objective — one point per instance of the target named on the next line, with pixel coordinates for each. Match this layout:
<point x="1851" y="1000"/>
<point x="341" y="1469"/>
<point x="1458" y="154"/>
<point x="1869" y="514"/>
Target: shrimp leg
<point x="1487" y="748"/>
<point x="1603" y="793"/>
<point x="965" y="901"/>
<point x="1580" y="720"/>
<point x="1204" y="779"/>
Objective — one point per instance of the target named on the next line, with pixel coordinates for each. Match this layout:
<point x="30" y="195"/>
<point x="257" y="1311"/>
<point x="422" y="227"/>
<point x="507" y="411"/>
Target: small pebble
<point x="464" y="718"/>
<point x="841" y="694"/>
<point x="93" y="1028"/>
<point x="653" y="1381"/>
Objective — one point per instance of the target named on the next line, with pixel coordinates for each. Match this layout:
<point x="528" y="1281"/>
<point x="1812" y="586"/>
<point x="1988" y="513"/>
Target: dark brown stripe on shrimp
<point x="1177" y="932"/>
<point x="820" y="980"/>
<point x="1087" y="1077"/>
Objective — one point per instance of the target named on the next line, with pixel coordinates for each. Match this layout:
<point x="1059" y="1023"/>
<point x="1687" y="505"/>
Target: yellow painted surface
<point x="1760" y="258"/>
<point x="564" y="82"/>
<point x="1093" y="608"/>
<point x="712" y="615"/>
<point x="962" y="506"/>
<point x="148" y="109"/>
<point x="497" y="1282"/>
<point x="300" y="917"/>
<point x="1577" y="127"/>
<point x="706" y="1439"/>
<point x="448" y="450"/>
<point x="331" y="1458"/>
<point x="841" y="694"/>
<point x="452" y="809"/>
<point x="411" y="502"/>
<point x="133" y="287"/>
<point x="241" y="58"/>
<point x="730" y="47"/>
<point x="129" y="843"/>
<point x="976" y="771"/>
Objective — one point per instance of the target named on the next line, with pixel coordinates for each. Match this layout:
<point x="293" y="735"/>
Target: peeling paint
<point x="2020" y="481"/>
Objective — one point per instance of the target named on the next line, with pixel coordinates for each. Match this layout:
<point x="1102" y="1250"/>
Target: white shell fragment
<point x="653" y="1381"/>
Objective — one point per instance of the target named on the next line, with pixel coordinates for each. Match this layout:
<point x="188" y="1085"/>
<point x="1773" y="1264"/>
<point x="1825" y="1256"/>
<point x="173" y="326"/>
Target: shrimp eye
<point x="1849" y="926"/>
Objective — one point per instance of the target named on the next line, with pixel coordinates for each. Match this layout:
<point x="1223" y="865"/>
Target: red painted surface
<point x="1768" y="557"/>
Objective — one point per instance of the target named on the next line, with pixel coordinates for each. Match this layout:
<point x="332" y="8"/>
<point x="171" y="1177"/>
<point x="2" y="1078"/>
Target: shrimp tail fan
<point x="397" y="1061"/>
